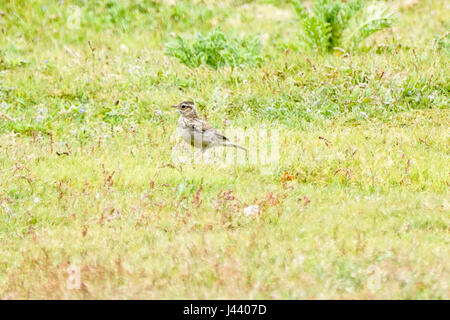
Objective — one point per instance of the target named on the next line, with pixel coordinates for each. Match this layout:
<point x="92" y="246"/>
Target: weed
<point x="216" y="50"/>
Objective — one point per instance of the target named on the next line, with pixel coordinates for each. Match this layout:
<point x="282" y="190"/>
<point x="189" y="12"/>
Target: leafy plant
<point x="216" y="50"/>
<point x="443" y="42"/>
<point x="373" y="18"/>
<point x="324" y="25"/>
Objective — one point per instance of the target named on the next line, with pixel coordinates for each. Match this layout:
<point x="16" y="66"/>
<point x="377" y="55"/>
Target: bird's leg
<point x="197" y="155"/>
<point x="203" y="153"/>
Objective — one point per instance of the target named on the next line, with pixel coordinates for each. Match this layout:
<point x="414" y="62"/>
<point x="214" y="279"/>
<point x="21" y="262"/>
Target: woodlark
<point x="198" y="132"/>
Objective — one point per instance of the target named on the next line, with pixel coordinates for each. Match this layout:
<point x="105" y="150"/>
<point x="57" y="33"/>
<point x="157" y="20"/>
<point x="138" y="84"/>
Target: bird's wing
<point x="205" y="128"/>
<point x="200" y="125"/>
<point x="220" y="136"/>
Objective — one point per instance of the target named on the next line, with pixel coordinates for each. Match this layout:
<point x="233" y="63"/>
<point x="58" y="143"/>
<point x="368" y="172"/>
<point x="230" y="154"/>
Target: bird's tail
<point x="229" y="144"/>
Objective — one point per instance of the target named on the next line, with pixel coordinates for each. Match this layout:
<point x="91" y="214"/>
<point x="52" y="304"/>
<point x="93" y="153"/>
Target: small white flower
<point x="123" y="47"/>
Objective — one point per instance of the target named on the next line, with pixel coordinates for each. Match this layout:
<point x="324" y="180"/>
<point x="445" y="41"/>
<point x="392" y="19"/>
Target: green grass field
<point x="92" y="206"/>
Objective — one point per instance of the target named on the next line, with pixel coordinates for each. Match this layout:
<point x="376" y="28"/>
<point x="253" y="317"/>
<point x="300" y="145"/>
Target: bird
<point x="197" y="132"/>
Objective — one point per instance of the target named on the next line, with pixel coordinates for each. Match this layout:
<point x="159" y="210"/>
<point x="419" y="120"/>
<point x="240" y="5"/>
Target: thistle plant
<point x="334" y="23"/>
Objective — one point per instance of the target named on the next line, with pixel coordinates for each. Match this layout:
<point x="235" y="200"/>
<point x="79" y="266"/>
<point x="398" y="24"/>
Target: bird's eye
<point x="183" y="106"/>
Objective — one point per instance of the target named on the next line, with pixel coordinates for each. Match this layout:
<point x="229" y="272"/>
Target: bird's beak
<point x="174" y="106"/>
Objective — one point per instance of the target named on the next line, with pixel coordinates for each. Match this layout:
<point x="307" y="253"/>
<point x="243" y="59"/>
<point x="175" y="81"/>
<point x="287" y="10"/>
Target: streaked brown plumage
<point x="197" y="132"/>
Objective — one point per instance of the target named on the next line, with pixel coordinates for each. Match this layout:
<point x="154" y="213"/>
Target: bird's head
<point x="187" y="109"/>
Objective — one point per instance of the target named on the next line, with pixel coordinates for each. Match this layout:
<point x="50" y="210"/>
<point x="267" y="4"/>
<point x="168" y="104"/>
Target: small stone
<point x="251" y="211"/>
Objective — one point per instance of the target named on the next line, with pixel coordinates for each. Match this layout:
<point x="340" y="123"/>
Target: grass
<point x="87" y="181"/>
